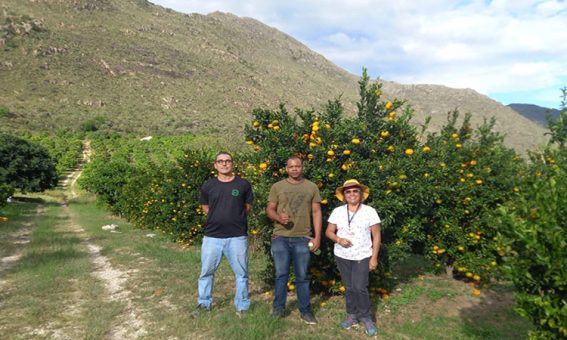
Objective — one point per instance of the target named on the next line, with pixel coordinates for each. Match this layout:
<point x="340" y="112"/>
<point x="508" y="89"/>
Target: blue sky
<point x="513" y="51"/>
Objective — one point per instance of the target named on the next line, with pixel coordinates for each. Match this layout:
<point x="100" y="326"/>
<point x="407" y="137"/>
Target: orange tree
<point x="25" y="166"/>
<point x="155" y="185"/>
<point x="432" y="192"/>
<point x="534" y="234"/>
<point x="165" y="198"/>
<point x="467" y="174"/>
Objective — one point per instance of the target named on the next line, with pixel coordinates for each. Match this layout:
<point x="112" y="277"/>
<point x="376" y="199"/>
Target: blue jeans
<point x="235" y="249"/>
<point x="284" y="251"/>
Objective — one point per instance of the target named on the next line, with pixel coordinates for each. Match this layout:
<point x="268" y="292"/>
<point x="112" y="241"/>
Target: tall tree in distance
<point x="24" y="166"/>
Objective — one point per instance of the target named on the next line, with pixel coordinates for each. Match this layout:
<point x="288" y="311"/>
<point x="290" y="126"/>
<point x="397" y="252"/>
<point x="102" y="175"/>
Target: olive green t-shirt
<point x="295" y="200"/>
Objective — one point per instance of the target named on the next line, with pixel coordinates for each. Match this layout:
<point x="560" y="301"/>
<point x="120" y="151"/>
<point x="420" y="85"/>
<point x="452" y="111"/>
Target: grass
<point x="52" y="291"/>
<point x="49" y="288"/>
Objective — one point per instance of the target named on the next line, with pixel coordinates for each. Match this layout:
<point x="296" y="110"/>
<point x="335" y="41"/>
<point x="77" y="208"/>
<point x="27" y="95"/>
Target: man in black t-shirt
<point x="226" y="200"/>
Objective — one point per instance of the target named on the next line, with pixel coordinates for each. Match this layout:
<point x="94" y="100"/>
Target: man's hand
<point x="316" y="244"/>
<point x="283" y="218"/>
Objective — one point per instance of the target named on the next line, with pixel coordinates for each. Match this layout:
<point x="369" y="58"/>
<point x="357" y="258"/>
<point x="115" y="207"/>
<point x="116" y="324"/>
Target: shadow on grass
<point x="411" y="268"/>
<point x="85" y="202"/>
<point x="34" y="260"/>
<point x="33" y="203"/>
<point x="37" y="200"/>
<point x="494" y="317"/>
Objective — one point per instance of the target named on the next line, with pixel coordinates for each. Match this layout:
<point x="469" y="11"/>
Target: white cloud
<point x="490" y="46"/>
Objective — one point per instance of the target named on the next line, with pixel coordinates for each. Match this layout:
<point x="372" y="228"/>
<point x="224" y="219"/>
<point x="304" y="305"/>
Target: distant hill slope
<point x="535" y="113"/>
<point x="132" y="66"/>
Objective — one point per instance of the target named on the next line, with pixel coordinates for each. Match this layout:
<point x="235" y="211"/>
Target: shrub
<point x="25" y="166"/>
<point x="5" y="112"/>
<point x="5" y="192"/>
<point x="105" y="177"/>
<point x="154" y="184"/>
<point x="63" y="147"/>
<point x="167" y="198"/>
<point x="464" y="177"/>
<point x="534" y="230"/>
<point x="95" y="124"/>
<point x="558" y="128"/>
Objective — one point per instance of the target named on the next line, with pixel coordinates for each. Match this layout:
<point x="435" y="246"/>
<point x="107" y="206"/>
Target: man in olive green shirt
<point x="294" y="206"/>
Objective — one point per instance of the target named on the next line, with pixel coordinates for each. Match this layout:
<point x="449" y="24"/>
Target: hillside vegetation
<point x="132" y="66"/>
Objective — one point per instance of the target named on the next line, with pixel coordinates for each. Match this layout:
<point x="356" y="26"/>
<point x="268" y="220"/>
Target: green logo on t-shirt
<point x="235" y="192"/>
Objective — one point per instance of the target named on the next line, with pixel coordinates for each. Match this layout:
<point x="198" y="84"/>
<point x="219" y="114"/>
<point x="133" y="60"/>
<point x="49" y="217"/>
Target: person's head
<point x="352" y="192"/>
<point x="294" y="167"/>
<point x="224" y="163"/>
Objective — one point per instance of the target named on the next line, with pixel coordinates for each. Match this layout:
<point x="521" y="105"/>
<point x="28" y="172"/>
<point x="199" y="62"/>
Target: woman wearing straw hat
<point x="355" y="229"/>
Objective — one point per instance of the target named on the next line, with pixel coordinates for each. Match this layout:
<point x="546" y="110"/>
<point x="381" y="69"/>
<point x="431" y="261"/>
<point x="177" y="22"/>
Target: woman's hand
<point x="373" y="264"/>
<point x="343" y="242"/>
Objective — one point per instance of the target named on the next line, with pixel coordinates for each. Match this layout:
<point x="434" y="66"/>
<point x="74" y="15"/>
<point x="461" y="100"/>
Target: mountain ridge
<point x="132" y="66"/>
<point x="535" y="113"/>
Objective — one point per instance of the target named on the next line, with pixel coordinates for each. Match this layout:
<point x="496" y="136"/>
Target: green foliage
<point x="167" y="198"/>
<point x="154" y="184"/>
<point x="463" y="179"/>
<point x="105" y="177"/>
<point x="64" y="148"/>
<point x="558" y="128"/>
<point x="534" y="234"/>
<point x="534" y="230"/>
<point x="5" y="192"/>
<point x="93" y="124"/>
<point x="5" y="112"/>
<point x="25" y="166"/>
<point x="435" y="198"/>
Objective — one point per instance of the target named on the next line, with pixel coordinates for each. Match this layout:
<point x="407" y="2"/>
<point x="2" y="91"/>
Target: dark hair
<point x="223" y="153"/>
<point x="294" y="158"/>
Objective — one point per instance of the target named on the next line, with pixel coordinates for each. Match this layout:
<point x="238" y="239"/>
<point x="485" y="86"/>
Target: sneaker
<point x="200" y="308"/>
<point x="371" y="329"/>
<point x="241" y="313"/>
<point x="203" y="307"/>
<point x="278" y="313"/>
<point x="349" y="322"/>
<point x="309" y="319"/>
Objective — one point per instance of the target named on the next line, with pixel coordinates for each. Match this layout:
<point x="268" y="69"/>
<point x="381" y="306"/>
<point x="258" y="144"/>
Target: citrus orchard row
<point x="438" y="194"/>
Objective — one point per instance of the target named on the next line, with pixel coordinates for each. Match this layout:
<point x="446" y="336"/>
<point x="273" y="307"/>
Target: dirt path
<point x="129" y="324"/>
<point x="20" y="238"/>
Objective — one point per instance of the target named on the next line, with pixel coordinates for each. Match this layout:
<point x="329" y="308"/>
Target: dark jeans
<point x="354" y="275"/>
<point x="286" y="250"/>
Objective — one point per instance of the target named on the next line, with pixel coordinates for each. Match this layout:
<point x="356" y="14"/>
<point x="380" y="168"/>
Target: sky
<point x="512" y="51"/>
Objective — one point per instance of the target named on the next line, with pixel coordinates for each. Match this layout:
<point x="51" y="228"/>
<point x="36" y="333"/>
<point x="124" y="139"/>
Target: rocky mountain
<point x="132" y="66"/>
<point x="535" y="113"/>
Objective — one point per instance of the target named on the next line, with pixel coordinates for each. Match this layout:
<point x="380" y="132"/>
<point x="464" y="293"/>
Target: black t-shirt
<point x="227" y="207"/>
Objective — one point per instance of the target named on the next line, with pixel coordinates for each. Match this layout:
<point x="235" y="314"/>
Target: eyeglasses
<point x="352" y="191"/>
<point x="224" y="161"/>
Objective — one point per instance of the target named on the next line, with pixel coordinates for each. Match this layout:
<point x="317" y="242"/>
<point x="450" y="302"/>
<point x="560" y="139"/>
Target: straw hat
<point x="349" y="184"/>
